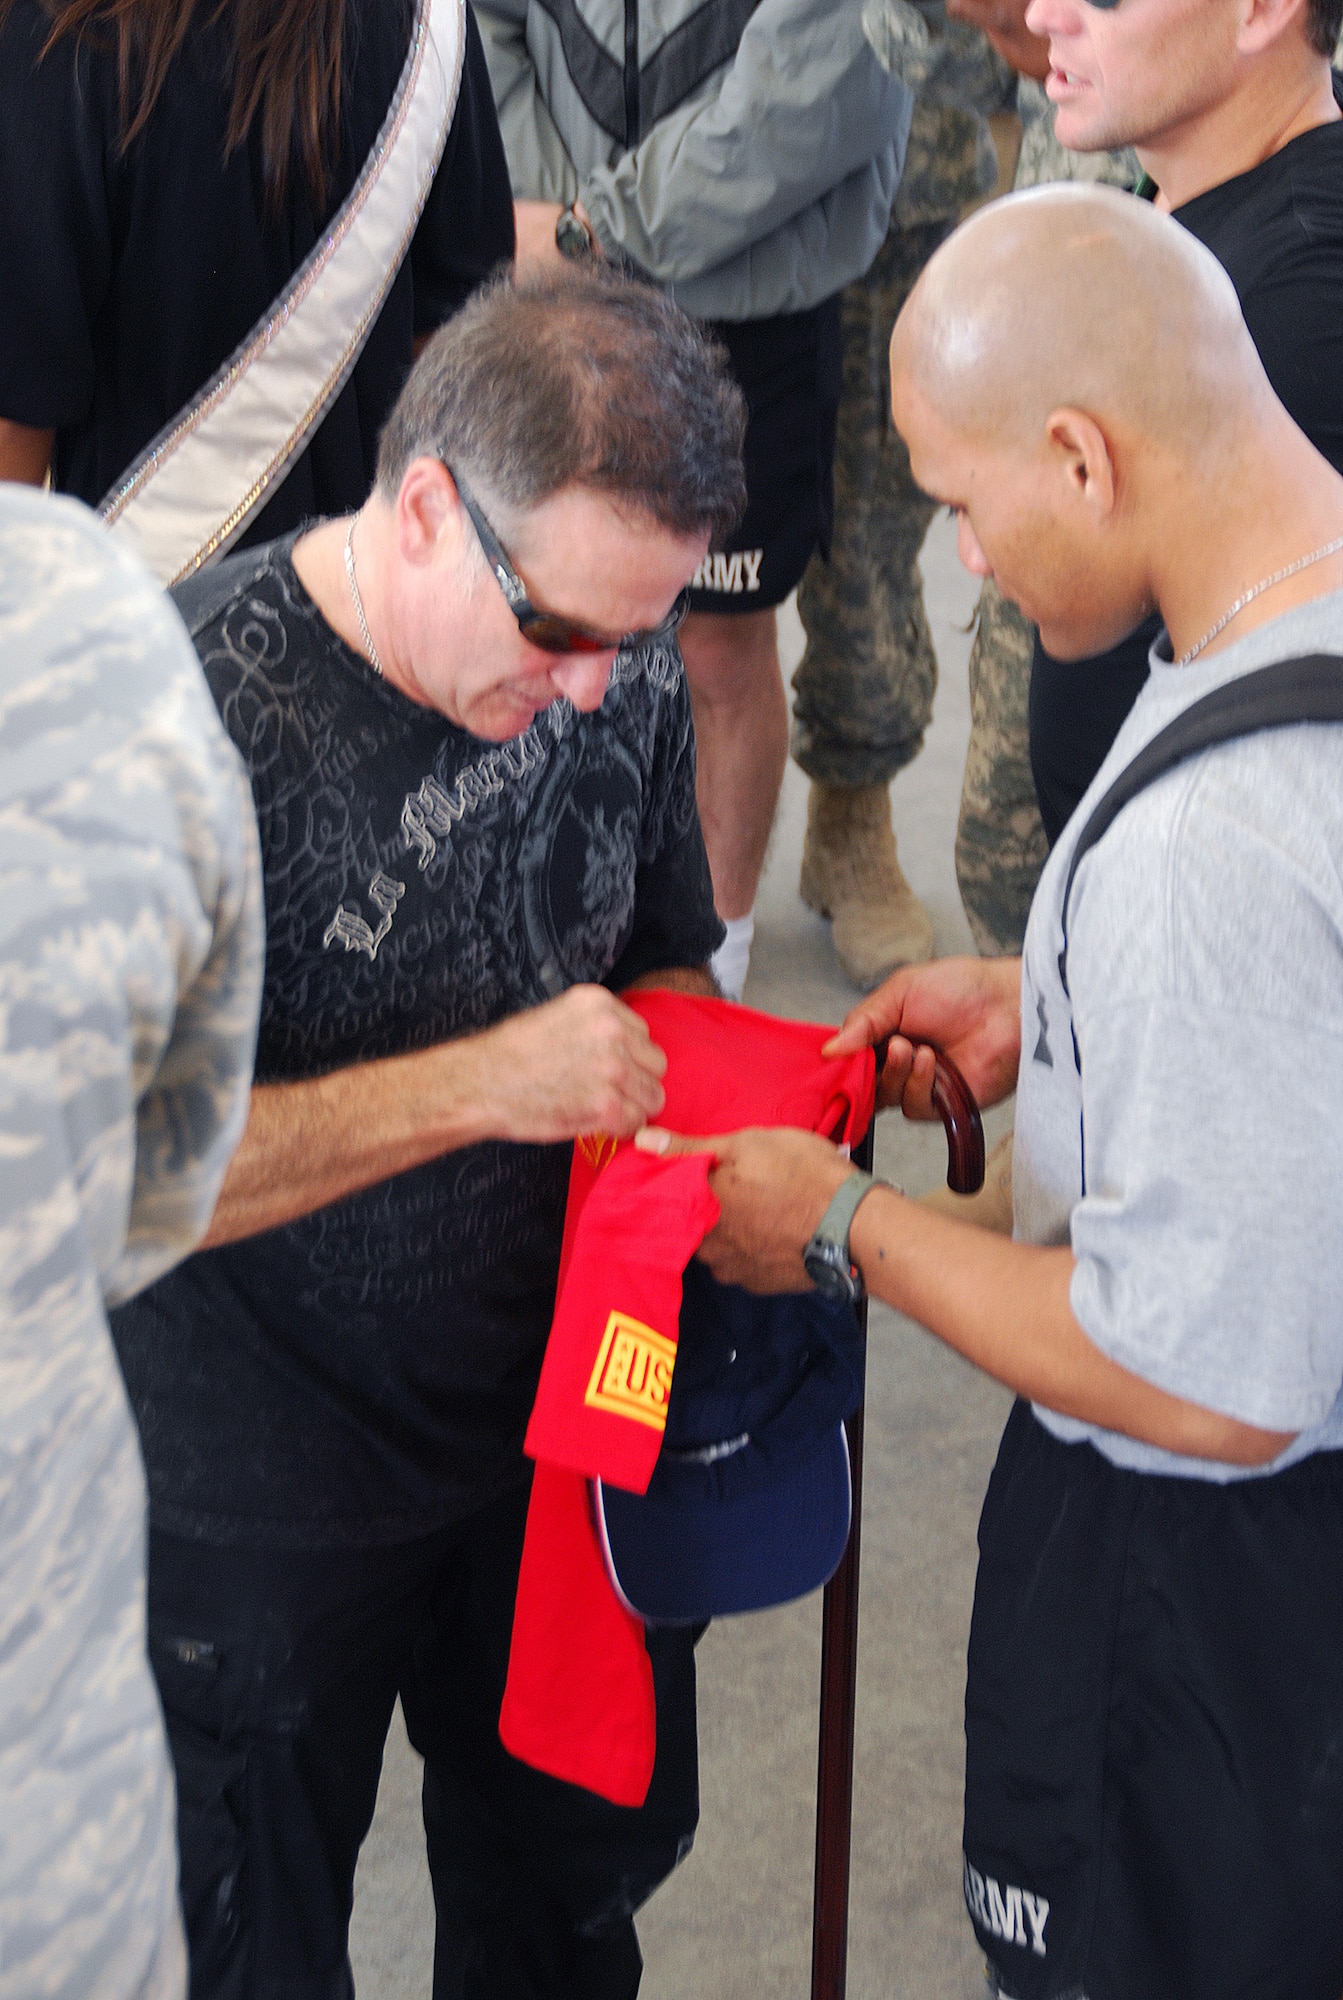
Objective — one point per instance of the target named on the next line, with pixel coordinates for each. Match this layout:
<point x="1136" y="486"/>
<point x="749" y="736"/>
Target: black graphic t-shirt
<point x="364" y="1374"/>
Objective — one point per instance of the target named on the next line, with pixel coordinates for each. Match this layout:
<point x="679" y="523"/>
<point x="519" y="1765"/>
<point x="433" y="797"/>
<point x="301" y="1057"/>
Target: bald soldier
<point x="1154" y="1785"/>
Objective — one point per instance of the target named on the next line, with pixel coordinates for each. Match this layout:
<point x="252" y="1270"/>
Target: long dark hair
<point x="286" y="69"/>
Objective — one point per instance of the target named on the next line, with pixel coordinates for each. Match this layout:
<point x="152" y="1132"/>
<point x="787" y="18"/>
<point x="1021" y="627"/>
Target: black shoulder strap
<point x="1290" y="691"/>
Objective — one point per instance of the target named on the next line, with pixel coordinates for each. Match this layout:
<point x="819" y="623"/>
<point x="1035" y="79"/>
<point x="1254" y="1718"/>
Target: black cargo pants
<point x="279" y="1672"/>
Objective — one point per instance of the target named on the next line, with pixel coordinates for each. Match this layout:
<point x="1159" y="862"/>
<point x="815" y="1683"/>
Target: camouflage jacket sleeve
<point x="130" y="958"/>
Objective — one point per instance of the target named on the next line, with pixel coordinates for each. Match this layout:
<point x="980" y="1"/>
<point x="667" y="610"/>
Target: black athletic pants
<point x="278" y="1674"/>
<point x="1154" y="1729"/>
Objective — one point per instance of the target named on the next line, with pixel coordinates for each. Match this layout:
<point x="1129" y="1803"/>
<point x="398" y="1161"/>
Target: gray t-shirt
<point x="1205" y="961"/>
<point x="130" y="972"/>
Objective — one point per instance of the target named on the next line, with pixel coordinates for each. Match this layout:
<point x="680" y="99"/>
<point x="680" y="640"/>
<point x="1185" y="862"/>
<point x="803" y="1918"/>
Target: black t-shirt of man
<point x="365" y="1374"/>
<point x="1278" y="233"/>
<point x="129" y="279"/>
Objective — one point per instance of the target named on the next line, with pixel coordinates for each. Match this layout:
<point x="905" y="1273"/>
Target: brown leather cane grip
<point x="954" y="1103"/>
<point x="964" y="1128"/>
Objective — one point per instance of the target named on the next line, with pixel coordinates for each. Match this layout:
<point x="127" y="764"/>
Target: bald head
<point x="1077" y="296"/>
<point x="1073" y="377"/>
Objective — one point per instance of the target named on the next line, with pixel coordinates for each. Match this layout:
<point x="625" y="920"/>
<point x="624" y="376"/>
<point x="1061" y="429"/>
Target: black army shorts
<point x="790" y="370"/>
<point x="1154" y="1730"/>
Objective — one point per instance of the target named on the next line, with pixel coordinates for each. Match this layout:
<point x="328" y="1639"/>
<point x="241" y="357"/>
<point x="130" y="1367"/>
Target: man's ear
<point x="1263" y="22"/>
<point x="1082" y="453"/>
<point x="427" y="509"/>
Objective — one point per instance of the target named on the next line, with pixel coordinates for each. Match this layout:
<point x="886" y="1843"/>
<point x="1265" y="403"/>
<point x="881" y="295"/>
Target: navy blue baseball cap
<point x="750" y="1500"/>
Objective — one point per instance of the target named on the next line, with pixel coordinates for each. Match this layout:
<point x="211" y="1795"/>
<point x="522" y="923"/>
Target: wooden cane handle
<point x="955" y="1105"/>
<point x="964" y="1128"/>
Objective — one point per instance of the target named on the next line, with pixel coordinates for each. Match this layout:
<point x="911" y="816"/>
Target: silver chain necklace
<point x="364" y="632"/>
<point x="1278" y="576"/>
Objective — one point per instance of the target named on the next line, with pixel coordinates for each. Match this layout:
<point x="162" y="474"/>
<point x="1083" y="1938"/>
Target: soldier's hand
<point x="534" y="233"/>
<point x="582" y="1063"/>
<point x="773" y="1188"/>
<point x="968" y="1007"/>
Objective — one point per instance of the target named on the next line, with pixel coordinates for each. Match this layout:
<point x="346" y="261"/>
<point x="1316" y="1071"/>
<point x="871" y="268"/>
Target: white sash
<point x="193" y="490"/>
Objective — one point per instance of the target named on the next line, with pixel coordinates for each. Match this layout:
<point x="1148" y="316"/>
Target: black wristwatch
<point x="573" y="238"/>
<point x="826" y="1257"/>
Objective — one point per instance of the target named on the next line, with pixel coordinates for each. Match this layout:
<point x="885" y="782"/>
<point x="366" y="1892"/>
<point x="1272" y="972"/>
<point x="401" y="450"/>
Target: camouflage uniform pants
<point x="864" y="690"/>
<point x="1000" y="841"/>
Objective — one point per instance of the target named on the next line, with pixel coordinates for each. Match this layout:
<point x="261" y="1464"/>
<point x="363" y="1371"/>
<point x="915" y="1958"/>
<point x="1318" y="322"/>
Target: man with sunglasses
<point x="1234" y="112"/>
<point x="1237" y="119"/>
<point x="470" y="744"/>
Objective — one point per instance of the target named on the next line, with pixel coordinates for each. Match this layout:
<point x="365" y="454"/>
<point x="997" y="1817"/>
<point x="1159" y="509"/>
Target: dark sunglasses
<point x="547" y="629"/>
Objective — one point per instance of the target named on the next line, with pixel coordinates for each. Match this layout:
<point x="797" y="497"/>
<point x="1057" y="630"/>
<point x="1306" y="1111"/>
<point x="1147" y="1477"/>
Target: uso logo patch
<point x="633" y="1375"/>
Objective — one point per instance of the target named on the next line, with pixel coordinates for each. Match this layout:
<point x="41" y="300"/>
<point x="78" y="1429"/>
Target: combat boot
<point x="850" y="874"/>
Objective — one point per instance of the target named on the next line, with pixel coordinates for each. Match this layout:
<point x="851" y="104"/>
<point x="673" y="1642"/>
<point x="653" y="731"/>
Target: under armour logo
<point x="1042" y="1053"/>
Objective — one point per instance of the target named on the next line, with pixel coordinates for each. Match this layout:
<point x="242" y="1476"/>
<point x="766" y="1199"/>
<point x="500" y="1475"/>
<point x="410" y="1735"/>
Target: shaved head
<point x="1073" y="377"/>
<point x="1083" y="297"/>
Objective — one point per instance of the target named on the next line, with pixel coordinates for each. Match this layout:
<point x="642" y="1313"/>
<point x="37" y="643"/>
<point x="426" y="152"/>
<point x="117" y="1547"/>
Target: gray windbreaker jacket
<point x="744" y="153"/>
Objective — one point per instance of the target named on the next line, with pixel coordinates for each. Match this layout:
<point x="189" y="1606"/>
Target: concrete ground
<point x="734" y="1923"/>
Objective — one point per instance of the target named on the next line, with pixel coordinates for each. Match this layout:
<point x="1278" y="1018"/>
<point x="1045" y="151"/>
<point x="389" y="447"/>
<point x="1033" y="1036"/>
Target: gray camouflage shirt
<point x="130" y="964"/>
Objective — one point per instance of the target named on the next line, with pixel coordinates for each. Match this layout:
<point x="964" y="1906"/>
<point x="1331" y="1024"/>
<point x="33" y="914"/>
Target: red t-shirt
<point x="579" y="1699"/>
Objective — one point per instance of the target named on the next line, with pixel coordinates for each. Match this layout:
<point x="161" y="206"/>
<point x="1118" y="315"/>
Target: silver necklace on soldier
<point x="1278" y="576"/>
<point x="364" y="632"/>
